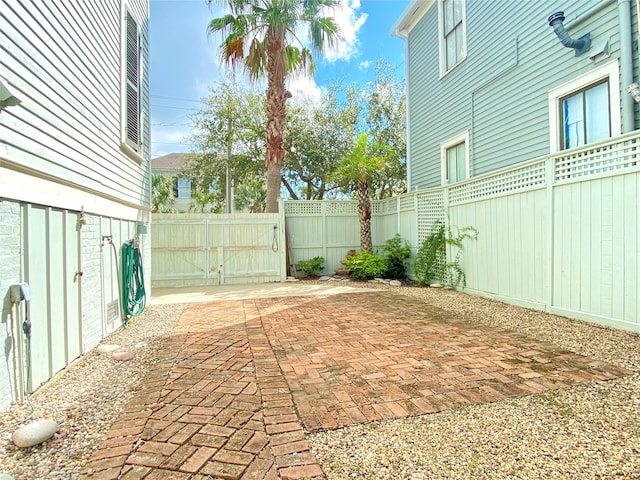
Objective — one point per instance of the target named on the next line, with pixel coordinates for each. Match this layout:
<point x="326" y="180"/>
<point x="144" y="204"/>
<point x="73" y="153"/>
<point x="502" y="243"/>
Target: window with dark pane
<point x="585" y="116"/>
<point x="453" y="31"/>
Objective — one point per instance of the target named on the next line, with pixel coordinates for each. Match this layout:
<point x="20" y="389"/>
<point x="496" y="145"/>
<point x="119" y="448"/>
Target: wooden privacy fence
<point x="559" y="233"/>
<point x="206" y="249"/>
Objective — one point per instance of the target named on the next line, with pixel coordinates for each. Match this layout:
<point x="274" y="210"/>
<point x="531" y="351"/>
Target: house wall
<point x="66" y="181"/>
<point x="499" y="92"/>
<point x="63" y="60"/>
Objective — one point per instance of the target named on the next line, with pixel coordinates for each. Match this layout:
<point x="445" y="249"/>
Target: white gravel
<point x="589" y="431"/>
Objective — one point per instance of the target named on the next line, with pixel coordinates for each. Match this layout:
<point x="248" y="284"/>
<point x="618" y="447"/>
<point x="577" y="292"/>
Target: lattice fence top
<point x="528" y="177"/>
<point x="341" y="207"/>
<point x="430" y="210"/>
<point x="600" y="159"/>
<point x="302" y="207"/>
<point x="407" y="202"/>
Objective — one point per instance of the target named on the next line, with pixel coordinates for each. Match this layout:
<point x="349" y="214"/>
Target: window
<point x="586" y="109"/>
<point x="181" y="187"/>
<point x="453" y="33"/>
<point x="132" y="110"/>
<point x="455" y="159"/>
<point x="585" y="116"/>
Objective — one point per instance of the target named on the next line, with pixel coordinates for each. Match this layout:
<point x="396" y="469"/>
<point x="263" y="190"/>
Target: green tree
<point x="204" y="202"/>
<point x="385" y="106"/>
<point x="251" y="196"/>
<point x="162" y="200"/>
<point x="319" y="135"/>
<point x="261" y="35"/>
<point x="356" y="170"/>
<point x="228" y="136"/>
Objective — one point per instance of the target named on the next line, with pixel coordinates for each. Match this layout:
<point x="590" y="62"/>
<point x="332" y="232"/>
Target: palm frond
<point x="256" y="60"/>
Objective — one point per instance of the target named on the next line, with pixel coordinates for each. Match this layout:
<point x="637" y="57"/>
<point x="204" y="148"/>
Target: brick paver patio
<point x="240" y="383"/>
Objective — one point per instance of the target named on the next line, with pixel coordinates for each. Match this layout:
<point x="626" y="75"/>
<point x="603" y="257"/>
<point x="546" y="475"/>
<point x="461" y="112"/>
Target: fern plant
<point x="431" y="260"/>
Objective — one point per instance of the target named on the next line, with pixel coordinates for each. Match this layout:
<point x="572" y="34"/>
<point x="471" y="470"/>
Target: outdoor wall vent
<point x="580" y="45"/>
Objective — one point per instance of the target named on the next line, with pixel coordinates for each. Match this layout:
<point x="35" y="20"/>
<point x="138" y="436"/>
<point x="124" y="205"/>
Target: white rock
<point x="4" y="476"/>
<point x="325" y="278"/>
<point x="395" y="283"/>
<point x="107" y="348"/>
<point x="34" y="433"/>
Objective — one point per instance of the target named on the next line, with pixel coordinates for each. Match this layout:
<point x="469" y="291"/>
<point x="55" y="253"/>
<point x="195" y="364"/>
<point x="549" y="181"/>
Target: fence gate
<point x="207" y="249"/>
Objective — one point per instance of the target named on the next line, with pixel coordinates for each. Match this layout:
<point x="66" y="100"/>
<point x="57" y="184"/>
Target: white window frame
<point x="610" y="72"/>
<point x="182" y="187"/>
<point x="443" y="44"/>
<point x="130" y="147"/>
<point x="446" y="145"/>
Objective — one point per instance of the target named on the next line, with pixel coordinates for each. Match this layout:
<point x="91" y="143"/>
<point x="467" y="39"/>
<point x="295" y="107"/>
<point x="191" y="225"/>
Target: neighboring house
<point x="534" y="144"/>
<point x="74" y="176"/>
<point x="170" y="166"/>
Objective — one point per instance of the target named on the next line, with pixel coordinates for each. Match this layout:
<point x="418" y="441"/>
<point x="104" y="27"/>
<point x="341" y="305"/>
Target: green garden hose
<point x="133" y="294"/>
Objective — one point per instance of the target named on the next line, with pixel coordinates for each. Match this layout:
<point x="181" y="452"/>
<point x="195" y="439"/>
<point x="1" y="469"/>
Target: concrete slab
<point x="211" y="293"/>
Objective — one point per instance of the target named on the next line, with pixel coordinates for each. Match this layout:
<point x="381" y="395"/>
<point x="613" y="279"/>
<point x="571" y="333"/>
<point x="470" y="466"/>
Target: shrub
<point x="365" y="266"/>
<point x="397" y="252"/>
<point x="431" y="260"/>
<point x="311" y="267"/>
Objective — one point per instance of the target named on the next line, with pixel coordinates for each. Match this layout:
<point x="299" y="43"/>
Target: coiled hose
<point x="133" y="294"/>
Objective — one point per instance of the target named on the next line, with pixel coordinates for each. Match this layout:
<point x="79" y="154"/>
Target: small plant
<point x="397" y="252"/>
<point x="431" y="260"/>
<point x="365" y="265"/>
<point x="312" y="267"/>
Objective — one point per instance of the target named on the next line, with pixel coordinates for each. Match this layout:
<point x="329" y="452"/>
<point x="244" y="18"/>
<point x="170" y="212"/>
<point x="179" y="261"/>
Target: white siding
<point x="62" y="60"/>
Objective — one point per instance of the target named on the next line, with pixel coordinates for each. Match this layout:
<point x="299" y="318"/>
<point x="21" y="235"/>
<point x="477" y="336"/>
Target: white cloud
<point x="364" y="65"/>
<point x="349" y="22"/>
<point x="303" y="88"/>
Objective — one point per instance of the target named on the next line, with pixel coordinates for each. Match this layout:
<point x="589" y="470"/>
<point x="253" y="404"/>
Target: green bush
<point x="397" y="252"/>
<point x="431" y="263"/>
<point x="365" y="266"/>
<point x="311" y="267"/>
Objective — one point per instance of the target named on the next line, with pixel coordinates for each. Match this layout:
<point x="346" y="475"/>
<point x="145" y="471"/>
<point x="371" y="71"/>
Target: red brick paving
<point x="240" y="383"/>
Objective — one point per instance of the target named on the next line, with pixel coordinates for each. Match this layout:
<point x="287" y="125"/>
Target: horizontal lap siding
<point x="499" y="92"/>
<point x="62" y="59"/>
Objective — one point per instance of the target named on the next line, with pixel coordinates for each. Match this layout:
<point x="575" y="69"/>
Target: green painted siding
<point x="499" y="93"/>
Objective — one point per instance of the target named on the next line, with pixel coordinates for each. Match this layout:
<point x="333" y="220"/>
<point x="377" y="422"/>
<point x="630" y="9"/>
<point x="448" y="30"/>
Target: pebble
<point x="107" y="348"/>
<point x="34" y="433"/>
<point x="123" y="356"/>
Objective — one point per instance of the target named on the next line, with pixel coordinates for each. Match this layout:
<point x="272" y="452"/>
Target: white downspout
<point x="626" y="64"/>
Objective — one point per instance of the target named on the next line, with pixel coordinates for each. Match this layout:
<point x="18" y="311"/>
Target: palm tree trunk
<point x="364" y="214"/>
<point x="276" y="117"/>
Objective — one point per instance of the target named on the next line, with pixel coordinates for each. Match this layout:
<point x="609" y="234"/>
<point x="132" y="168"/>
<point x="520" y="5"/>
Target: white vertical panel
<point x="585" y="246"/>
<point x="36" y="274"/>
<point x="606" y="274"/>
<point x="56" y="252"/>
<point x="631" y="228"/>
<point x="618" y="259"/>
<point x="72" y="312"/>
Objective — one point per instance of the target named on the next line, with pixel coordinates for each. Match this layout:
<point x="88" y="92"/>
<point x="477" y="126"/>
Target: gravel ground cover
<point x="85" y="399"/>
<point x="583" y="432"/>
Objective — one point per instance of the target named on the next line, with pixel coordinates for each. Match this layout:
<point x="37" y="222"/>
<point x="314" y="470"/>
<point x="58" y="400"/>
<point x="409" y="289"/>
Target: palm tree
<point x="261" y="35"/>
<point x="162" y="200"/>
<point x="357" y="169"/>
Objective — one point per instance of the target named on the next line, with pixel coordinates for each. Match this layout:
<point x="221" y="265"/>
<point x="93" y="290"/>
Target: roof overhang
<point x="411" y="17"/>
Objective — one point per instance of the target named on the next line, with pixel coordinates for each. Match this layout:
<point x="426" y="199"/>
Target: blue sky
<point x="184" y="60"/>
